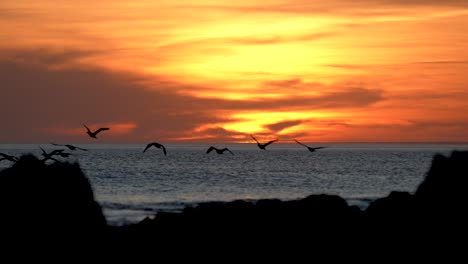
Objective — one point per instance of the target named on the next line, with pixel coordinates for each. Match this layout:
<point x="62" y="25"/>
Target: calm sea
<point x="131" y="185"/>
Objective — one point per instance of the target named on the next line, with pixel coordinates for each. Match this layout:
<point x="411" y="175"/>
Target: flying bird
<point x="53" y="153"/>
<point x="157" y="145"/>
<point x="311" y="149"/>
<point x="8" y="157"/>
<point x="93" y="134"/>
<point x="219" y="151"/>
<point x="264" y="145"/>
<point x="70" y="147"/>
<point x="56" y="152"/>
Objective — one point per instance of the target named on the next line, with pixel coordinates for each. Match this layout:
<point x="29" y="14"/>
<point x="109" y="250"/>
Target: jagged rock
<point x="51" y="199"/>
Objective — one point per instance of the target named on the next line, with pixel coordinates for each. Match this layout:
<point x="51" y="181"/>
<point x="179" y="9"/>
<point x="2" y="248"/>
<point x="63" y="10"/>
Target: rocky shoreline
<point x="57" y="201"/>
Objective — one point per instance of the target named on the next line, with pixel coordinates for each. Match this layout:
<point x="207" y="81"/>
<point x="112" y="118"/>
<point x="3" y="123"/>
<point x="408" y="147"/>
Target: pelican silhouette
<point x="70" y="147"/>
<point x="93" y="134"/>
<point x="56" y="152"/>
<point x="263" y="146"/>
<point x="219" y="151"/>
<point x="309" y="148"/>
<point x="157" y="145"/>
<point x="8" y="157"/>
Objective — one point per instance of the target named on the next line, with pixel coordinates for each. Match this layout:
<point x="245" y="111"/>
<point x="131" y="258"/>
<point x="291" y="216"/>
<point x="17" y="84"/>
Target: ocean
<point x="131" y="185"/>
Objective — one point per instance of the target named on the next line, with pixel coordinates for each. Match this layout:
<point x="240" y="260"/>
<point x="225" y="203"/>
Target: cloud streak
<point x="278" y="127"/>
<point x="224" y="69"/>
<point x="60" y="100"/>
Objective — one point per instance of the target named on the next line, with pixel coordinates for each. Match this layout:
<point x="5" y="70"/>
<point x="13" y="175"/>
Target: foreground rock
<point x="57" y="200"/>
<point x="436" y="211"/>
<point x="48" y="201"/>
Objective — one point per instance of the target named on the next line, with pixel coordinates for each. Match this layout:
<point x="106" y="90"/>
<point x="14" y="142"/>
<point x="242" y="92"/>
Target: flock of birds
<point x="61" y="152"/>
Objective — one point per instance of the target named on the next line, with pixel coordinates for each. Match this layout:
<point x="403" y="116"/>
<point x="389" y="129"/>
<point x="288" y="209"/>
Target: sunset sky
<point x="217" y="71"/>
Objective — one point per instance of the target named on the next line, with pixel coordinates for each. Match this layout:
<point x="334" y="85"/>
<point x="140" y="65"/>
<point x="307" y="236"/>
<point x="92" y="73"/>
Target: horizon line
<point x="278" y="142"/>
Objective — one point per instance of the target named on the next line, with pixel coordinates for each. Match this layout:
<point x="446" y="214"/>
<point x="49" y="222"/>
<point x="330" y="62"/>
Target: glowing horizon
<point x="340" y="71"/>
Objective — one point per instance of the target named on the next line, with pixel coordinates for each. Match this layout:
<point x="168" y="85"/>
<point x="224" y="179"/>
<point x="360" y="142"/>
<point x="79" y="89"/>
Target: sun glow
<point x="259" y="122"/>
<point x="338" y="70"/>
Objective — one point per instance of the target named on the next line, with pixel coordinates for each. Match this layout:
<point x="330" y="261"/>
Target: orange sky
<point x="216" y="71"/>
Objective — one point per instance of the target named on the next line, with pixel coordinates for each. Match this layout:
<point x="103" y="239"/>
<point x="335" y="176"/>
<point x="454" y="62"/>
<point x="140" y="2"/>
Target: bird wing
<point x="229" y="151"/>
<point x="210" y="149"/>
<point x="101" y="129"/>
<point x="6" y="156"/>
<point x="164" y="150"/>
<point x="301" y="143"/>
<point x="319" y="147"/>
<point x="254" y="139"/>
<point x="81" y="148"/>
<point x="43" y="152"/>
<point x="55" y="144"/>
<point x="148" y="146"/>
<point x="10" y="158"/>
<point x="269" y="142"/>
<point x="70" y="147"/>
<point x="87" y="128"/>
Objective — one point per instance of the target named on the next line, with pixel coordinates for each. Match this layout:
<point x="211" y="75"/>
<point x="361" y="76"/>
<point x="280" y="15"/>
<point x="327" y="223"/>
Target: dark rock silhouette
<point x="395" y="205"/>
<point x="57" y="199"/>
<point x="446" y="182"/>
<point x="398" y="221"/>
<point x="440" y="198"/>
<point x="51" y="200"/>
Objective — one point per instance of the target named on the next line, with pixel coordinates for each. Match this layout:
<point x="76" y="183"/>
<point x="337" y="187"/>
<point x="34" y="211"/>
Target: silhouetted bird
<point x="56" y="152"/>
<point x="219" y="151"/>
<point x="70" y="147"/>
<point x="93" y="134"/>
<point x="309" y="148"/>
<point x="263" y="146"/>
<point x="8" y="157"/>
<point x="157" y="145"/>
